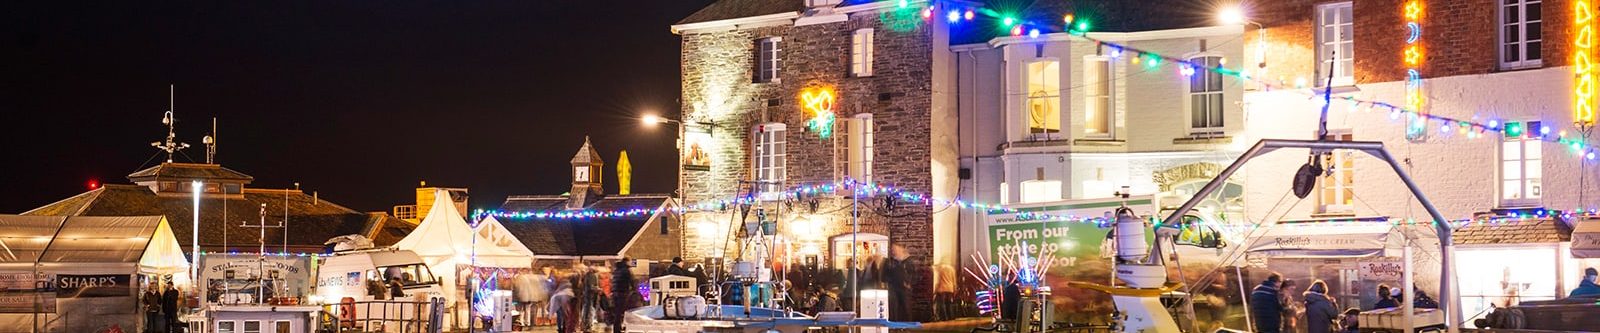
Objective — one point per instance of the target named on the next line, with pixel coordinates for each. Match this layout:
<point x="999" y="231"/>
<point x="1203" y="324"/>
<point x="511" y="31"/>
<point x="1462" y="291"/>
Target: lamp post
<point x="1235" y="15"/>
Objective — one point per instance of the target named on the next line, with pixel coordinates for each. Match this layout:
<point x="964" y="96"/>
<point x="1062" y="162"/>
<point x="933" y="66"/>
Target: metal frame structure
<point x="1447" y="285"/>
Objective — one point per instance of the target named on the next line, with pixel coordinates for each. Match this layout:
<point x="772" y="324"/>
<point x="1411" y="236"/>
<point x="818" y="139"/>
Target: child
<point x="1351" y="320"/>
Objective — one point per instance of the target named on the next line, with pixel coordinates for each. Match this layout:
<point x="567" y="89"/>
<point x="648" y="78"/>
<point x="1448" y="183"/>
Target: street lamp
<point x="1235" y="15"/>
<point x="652" y="120"/>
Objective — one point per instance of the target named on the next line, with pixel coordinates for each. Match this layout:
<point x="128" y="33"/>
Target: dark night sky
<point x="357" y="100"/>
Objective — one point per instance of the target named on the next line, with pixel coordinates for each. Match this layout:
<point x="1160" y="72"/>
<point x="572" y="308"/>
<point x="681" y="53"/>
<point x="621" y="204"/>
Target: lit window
<point x="1521" y="169"/>
<point x="769" y="159"/>
<point x="1205" y="96"/>
<point x="767" y="59"/>
<point x="1336" y="194"/>
<point x="861" y="53"/>
<point x="1044" y="99"/>
<point x="852" y="142"/>
<point x="1521" y="36"/>
<point x="1098" y="121"/>
<point x="1041" y="190"/>
<point x="1335" y="43"/>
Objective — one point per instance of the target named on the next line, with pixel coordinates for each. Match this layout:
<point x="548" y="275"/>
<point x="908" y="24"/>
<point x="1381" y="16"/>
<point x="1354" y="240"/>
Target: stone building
<point x="782" y="94"/>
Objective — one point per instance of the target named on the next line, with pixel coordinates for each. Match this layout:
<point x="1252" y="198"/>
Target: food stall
<point x="1353" y="256"/>
<point x="83" y="274"/>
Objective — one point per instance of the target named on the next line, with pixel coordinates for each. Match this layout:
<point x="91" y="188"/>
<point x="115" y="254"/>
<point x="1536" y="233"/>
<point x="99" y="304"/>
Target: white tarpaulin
<point x="491" y="229"/>
<point x="1322" y="241"/>
<point x="1586" y="239"/>
<point x="444" y="240"/>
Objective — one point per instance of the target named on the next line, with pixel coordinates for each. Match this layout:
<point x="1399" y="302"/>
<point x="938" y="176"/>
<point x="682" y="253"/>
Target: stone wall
<point x="718" y="87"/>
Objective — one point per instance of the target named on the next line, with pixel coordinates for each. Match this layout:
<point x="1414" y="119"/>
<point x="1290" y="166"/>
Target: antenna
<point x="170" y="145"/>
<point x="261" y="257"/>
<point x="211" y="142"/>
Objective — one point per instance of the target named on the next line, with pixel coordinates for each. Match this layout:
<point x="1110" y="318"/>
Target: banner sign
<point x="1068" y="241"/>
<point x="19" y="292"/>
<point x="1319" y="241"/>
<point x="696" y="146"/>
<point x="95" y="285"/>
<point x="1381" y="269"/>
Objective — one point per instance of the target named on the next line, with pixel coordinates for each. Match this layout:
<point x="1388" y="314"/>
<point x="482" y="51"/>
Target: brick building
<point x="761" y="80"/>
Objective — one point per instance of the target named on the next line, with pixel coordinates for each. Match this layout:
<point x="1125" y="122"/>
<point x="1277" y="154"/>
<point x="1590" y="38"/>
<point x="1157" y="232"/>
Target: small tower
<point x="586" y="180"/>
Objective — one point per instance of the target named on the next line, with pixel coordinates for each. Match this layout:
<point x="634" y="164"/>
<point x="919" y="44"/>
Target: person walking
<point x="561" y="307"/>
<point x="1266" y="306"/>
<point x="1321" y="312"/>
<point x="897" y="277"/>
<point x="623" y="293"/>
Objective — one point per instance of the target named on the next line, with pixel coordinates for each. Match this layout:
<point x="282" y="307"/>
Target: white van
<point x="364" y="277"/>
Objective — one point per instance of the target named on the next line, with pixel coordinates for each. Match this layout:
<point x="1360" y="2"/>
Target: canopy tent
<point x="1322" y="241"/>
<point x="146" y="243"/>
<point x="491" y="229"/>
<point x="1586" y="239"/>
<point x="445" y="240"/>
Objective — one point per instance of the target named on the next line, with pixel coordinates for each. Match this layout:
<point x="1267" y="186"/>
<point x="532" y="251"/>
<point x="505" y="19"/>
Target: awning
<point x="1586" y="239"/>
<point x="1344" y="240"/>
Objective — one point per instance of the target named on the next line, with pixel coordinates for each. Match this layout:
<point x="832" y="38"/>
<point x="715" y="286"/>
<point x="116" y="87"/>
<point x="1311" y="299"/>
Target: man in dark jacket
<point x="622" y="293"/>
<point x="1266" y="305"/>
<point x="169" y="307"/>
<point x="678" y="269"/>
<point x="897" y="278"/>
<point x="1320" y="309"/>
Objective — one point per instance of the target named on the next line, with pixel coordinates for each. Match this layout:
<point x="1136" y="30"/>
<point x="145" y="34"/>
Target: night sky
<point x="357" y="100"/>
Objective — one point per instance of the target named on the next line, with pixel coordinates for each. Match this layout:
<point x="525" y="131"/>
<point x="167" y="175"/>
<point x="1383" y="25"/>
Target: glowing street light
<point x="652" y="120"/>
<point x="1231" y="16"/>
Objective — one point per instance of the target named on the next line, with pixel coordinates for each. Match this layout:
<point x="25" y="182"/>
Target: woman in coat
<point x="1321" y="312"/>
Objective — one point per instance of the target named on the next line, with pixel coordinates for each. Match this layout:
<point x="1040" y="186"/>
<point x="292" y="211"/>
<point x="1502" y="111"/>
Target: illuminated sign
<point x="1413" y="56"/>
<point x="1582" y="65"/>
<point x="818" y="104"/>
<point x="696" y="146"/>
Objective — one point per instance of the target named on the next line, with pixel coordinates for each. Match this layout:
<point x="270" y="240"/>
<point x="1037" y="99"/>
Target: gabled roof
<point x="732" y="9"/>
<point x="189" y="171"/>
<point x="312" y="221"/>
<point x="561" y="237"/>
<point x="145" y="240"/>
<point x="1514" y="231"/>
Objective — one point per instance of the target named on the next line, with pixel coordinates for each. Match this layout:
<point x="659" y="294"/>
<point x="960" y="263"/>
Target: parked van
<point x="360" y="284"/>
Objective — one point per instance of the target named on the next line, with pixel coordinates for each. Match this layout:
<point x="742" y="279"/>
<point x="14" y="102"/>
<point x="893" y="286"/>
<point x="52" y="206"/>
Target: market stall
<point x="83" y="274"/>
<point x="1353" y="257"/>
<point x="451" y="249"/>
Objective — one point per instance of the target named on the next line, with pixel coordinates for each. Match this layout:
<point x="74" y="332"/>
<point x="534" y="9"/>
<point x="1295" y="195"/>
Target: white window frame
<point x="1209" y="126"/>
<point x="245" y="327"/>
<point x="232" y="326"/>
<point x="861" y="52"/>
<point x="1521" y="42"/>
<point x="769" y="51"/>
<point x="1344" y="74"/>
<point x="1339" y="167"/>
<point x="1100" y="86"/>
<point x="1046" y="133"/>
<point x="1529" y="176"/>
<point x="853" y="148"/>
<point x="768" y="161"/>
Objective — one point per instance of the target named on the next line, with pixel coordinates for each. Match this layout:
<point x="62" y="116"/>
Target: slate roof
<point x="311" y="221"/>
<point x="1515" y="231"/>
<point x="732" y="9"/>
<point x="561" y="237"/>
<point x="189" y="171"/>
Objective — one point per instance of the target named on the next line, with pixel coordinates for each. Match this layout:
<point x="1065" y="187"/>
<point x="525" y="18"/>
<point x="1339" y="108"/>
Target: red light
<point x="93" y="184"/>
<point x="1016" y="30"/>
<point x="927" y="13"/>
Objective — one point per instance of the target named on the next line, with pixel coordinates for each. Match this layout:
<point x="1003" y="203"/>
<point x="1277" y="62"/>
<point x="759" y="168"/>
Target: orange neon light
<point x="1413" y="55"/>
<point x="1413" y="11"/>
<point x="1582" y="64"/>
<point x="818" y="102"/>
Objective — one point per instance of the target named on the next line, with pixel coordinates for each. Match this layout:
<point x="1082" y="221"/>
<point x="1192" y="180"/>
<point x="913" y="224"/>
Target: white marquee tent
<point x="111" y="250"/>
<point x="445" y="240"/>
<point x="491" y="229"/>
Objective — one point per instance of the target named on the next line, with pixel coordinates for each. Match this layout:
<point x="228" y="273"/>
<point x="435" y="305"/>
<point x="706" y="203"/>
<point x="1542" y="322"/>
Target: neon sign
<point x="818" y="104"/>
<point x="1413" y="56"/>
<point x="1582" y="65"/>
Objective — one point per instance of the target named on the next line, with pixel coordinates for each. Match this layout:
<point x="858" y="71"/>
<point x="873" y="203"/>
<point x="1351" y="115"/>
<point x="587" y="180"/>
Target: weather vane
<point x="170" y="145"/>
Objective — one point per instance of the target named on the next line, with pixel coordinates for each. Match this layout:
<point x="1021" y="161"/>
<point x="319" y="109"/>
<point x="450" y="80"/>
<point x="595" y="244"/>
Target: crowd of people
<point x="1273" y="310"/>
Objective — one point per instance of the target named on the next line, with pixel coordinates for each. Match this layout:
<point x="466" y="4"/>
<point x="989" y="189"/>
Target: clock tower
<point x="586" y="181"/>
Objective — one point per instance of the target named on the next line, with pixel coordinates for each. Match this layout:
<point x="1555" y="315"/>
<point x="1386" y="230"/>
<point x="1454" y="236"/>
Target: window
<point x="1521" y="36"/>
<point x="767" y="59"/>
<point x="1336" y="194"/>
<point x="1335" y="43"/>
<point x="1044" y="99"/>
<point x="1521" y="170"/>
<point x="1097" y="118"/>
<point x="1205" y="96"/>
<point x="281" y="326"/>
<point x="409" y="275"/>
<point x="852" y="142"/>
<point x="769" y="159"/>
<point x="252" y="326"/>
<point x="861" y="53"/>
<point x="1041" y="190"/>
<point x="1005" y="193"/>
<point x="227" y="326"/>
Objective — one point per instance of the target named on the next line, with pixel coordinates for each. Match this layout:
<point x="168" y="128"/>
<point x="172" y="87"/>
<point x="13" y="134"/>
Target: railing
<point x="405" y="212"/>
<point x="387" y="316"/>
